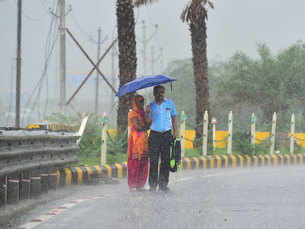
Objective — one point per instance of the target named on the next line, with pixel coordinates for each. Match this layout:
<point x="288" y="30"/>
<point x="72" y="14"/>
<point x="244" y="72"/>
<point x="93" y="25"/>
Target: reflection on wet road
<point x="217" y="198"/>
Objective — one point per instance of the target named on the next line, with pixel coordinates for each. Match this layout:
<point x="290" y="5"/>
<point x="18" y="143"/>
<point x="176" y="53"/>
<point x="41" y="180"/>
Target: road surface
<point x="216" y="198"/>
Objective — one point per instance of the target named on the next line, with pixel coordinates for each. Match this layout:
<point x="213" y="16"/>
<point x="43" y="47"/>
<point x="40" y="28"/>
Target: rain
<point x="238" y="92"/>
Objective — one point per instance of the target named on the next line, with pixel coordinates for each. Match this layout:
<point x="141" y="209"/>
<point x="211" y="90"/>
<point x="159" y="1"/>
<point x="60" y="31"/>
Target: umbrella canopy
<point x="143" y="82"/>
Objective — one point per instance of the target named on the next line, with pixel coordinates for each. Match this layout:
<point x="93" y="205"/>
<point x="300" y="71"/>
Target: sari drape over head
<point x="137" y="163"/>
<point x="138" y="140"/>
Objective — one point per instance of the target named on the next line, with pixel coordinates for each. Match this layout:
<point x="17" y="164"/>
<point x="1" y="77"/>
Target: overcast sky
<point x="232" y="25"/>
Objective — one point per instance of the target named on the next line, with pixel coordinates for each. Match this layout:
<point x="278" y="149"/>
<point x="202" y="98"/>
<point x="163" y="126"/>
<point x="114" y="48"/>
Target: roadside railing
<point x="29" y="161"/>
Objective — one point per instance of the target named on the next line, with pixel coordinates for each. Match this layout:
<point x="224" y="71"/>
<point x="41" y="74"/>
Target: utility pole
<point x="152" y="60"/>
<point x="144" y="47"/>
<point x="18" y="66"/>
<point x="145" y="42"/>
<point x="155" y="59"/>
<point x="97" y="73"/>
<point x="161" y="60"/>
<point x="62" y="47"/>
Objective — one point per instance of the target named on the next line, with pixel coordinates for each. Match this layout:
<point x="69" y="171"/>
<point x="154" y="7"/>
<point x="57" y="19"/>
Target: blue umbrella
<point x="143" y="82"/>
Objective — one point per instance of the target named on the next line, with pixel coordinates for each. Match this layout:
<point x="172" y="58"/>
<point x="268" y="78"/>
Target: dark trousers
<point x="159" y="144"/>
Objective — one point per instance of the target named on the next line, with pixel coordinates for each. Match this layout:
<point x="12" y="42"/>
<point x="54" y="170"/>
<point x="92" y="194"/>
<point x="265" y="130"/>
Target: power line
<point x="26" y="15"/>
<point x="157" y="41"/>
<point x="89" y="38"/>
<point x="145" y="40"/>
<point x="49" y="48"/>
<point x="46" y="6"/>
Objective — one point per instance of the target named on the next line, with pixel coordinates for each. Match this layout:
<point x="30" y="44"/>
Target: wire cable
<point x="26" y="16"/>
<point x="49" y="48"/>
<point x="8" y="118"/>
<point x="89" y="38"/>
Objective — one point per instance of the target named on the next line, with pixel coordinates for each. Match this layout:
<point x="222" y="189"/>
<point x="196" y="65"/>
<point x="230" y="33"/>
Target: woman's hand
<point x="147" y="117"/>
<point x="147" y="109"/>
<point x="137" y="125"/>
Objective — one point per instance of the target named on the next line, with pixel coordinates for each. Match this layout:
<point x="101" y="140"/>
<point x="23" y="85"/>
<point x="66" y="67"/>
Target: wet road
<point x="217" y="198"/>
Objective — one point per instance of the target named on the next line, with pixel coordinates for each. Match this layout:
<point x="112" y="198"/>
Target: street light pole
<point x="62" y="57"/>
<point x="18" y="66"/>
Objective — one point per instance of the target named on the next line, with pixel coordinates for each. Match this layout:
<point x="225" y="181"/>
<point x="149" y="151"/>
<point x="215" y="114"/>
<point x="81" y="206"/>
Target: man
<point x="163" y="117"/>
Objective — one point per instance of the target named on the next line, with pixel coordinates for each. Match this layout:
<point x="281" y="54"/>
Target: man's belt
<point x="160" y="132"/>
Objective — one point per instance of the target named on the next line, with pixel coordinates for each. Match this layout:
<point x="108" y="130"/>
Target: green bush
<point x="90" y="144"/>
<point x="117" y="148"/>
<point x="193" y="152"/>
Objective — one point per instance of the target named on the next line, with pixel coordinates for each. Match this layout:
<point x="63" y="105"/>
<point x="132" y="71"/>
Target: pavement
<point x="270" y="197"/>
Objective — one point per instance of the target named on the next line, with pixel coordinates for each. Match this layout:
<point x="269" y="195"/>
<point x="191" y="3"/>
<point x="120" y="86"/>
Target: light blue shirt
<point x="161" y="115"/>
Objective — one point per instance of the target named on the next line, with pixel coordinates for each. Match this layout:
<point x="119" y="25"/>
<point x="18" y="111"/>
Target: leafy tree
<point x="263" y="85"/>
<point x="183" y="90"/>
<point x="269" y="84"/>
<point x="65" y="119"/>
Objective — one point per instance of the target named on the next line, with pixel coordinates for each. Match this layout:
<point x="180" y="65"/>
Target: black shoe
<point x="164" y="189"/>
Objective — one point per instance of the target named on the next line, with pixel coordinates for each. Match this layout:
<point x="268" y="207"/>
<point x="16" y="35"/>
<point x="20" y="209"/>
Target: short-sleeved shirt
<point x="161" y="115"/>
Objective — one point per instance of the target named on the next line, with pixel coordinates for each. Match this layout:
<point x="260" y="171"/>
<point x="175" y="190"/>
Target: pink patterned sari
<point x="137" y="164"/>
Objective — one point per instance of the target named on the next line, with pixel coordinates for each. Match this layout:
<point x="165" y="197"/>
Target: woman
<point x="137" y="163"/>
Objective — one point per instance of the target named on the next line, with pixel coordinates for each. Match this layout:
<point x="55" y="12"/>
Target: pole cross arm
<point x="95" y="66"/>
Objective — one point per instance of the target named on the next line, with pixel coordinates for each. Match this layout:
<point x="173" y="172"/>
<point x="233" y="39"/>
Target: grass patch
<point x="92" y="160"/>
<point x="192" y="152"/>
<point x="116" y="158"/>
<point x="88" y="161"/>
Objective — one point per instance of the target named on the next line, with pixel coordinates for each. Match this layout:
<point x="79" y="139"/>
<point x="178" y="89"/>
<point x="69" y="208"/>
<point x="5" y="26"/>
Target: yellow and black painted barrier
<point x="88" y="174"/>
<point x="242" y="161"/>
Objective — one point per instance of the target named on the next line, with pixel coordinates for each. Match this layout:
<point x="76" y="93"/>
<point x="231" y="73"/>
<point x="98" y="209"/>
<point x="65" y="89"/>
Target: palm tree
<point x="195" y="14"/>
<point x="127" y="53"/>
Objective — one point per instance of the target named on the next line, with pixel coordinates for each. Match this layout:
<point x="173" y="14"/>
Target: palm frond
<point x="203" y="2"/>
<point x="211" y="4"/>
<point x="138" y="3"/>
<point x="185" y="13"/>
<point x="187" y="10"/>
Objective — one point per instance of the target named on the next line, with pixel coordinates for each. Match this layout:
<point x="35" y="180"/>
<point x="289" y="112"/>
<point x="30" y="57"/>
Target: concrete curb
<point x="85" y="174"/>
<point x="90" y="174"/>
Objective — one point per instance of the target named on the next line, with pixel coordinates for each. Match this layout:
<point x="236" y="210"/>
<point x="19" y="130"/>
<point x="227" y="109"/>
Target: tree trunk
<point x="127" y="56"/>
<point x="200" y="64"/>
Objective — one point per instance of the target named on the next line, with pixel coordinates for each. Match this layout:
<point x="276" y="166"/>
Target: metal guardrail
<point x="29" y="162"/>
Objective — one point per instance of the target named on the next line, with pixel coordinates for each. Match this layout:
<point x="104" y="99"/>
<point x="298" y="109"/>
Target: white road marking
<point x="36" y="221"/>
